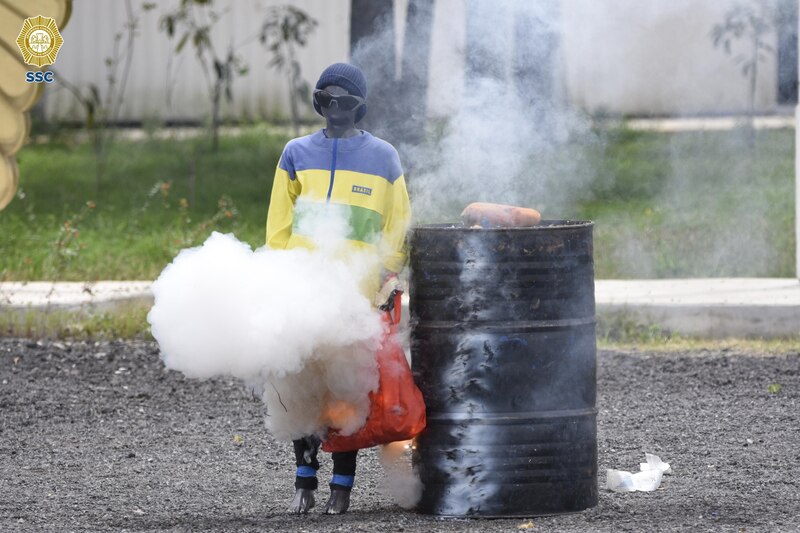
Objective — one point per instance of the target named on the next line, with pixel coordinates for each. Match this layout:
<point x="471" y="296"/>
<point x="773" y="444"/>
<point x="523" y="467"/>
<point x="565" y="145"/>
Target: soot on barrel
<point x="503" y="349"/>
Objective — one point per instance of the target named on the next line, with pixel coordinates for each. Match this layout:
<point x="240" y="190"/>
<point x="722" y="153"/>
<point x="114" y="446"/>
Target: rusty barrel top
<point x="503" y="349"/>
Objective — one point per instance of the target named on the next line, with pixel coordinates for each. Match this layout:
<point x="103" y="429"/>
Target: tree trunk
<point x="215" y="104"/>
<point x="372" y="48"/>
<point x="484" y="55"/>
<point x="535" y="64"/>
<point x="293" y="109"/>
<point x="415" y="70"/>
<point x="293" y="89"/>
<point x="751" y="100"/>
<point x="193" y="179"/>
<point x="397" y="106"/>
<point x="99" y="158"/>
<point x="532" y="52"/>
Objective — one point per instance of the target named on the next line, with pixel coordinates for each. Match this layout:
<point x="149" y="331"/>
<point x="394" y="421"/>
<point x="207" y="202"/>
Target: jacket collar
<point x="345" y="143"/>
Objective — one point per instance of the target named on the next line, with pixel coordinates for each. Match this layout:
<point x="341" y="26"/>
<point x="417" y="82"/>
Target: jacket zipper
<point x="333" y="169"/>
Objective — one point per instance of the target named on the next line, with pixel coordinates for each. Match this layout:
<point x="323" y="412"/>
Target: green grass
<point x="623" y="331"/>
<point x="693" y="205"/>
<point x="136" y="227"/>
<point x="665" y="205"/>
<point x="127" y="320"/>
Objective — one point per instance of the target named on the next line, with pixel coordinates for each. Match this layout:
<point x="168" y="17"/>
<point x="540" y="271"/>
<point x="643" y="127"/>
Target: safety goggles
<point x="344" y="102"/>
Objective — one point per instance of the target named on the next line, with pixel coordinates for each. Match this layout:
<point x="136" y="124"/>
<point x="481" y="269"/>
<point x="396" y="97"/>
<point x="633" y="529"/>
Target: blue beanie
<point x="347" y="77"/>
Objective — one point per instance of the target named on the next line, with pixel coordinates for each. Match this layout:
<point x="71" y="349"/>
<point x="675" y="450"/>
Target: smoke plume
<point x="292" y="324"/>
<point x="509" y="135"/>
<point x="402" y="483"/>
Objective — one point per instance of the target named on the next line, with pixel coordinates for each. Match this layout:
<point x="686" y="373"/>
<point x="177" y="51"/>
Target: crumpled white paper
<point x="654" y="462"/>
<point x="647" y="480"/>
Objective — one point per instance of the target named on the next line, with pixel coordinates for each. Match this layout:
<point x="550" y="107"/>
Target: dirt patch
<point x="99" y="436"/>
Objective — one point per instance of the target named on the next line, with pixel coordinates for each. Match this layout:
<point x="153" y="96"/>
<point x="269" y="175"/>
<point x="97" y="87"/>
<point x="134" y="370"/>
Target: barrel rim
<point x="544" y="225"/>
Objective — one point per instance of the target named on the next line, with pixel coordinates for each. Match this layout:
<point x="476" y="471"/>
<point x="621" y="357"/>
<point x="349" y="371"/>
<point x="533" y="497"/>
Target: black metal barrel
<point x="503" y="349"/>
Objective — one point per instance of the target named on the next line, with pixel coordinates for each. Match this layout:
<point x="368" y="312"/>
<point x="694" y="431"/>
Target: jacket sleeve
<point x="396" y="219"/>
<point x="285" y="189"/>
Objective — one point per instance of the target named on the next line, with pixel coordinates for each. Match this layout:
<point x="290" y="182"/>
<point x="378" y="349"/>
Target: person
<point x="347" y="167"/>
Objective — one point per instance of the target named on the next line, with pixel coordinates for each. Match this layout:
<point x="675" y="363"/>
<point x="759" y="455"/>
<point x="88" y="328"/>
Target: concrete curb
<point x="710" y="307"/>
<point x="73" y="295"/>
<point x="714" y="321"/>
<point x="714" y="307"/>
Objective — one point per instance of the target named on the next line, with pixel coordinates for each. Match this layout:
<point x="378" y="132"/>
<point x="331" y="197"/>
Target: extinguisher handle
<point x="397" y="308"/>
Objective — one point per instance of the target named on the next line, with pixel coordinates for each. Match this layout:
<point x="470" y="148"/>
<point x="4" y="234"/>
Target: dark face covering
<point x="340" y="120"/>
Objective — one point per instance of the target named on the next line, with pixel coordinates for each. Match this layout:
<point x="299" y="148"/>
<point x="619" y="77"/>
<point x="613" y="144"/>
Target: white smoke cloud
<point x="508" y="136"/>
<point x="292" y="324"/>
<point x="402" y="482"/>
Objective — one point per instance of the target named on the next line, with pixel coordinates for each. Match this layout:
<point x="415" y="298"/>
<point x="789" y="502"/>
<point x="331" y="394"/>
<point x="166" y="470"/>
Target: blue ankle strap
<point x="306" y="471"/>
<point x="345" y="481"/>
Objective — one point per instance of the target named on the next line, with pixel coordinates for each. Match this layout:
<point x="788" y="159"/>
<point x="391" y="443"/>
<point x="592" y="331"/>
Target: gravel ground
<point x="97" y="437"/>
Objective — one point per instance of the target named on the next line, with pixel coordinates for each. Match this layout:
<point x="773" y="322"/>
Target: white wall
<point x="655" y="56"/>
<point x="622" y="56"/>
<point x="262" y="92"/>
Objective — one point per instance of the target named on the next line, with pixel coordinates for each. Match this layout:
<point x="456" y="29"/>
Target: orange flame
<point x="338" y="413"/>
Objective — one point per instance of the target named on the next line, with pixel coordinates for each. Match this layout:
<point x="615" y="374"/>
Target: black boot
<point x="339" y="502"/>
<point x="303" y="501"/>
<point x="305" y="484"/>
<point x="344" y="471"/>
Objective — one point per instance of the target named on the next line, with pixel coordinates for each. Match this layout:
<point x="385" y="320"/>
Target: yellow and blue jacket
<point x="361" y="174"/>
